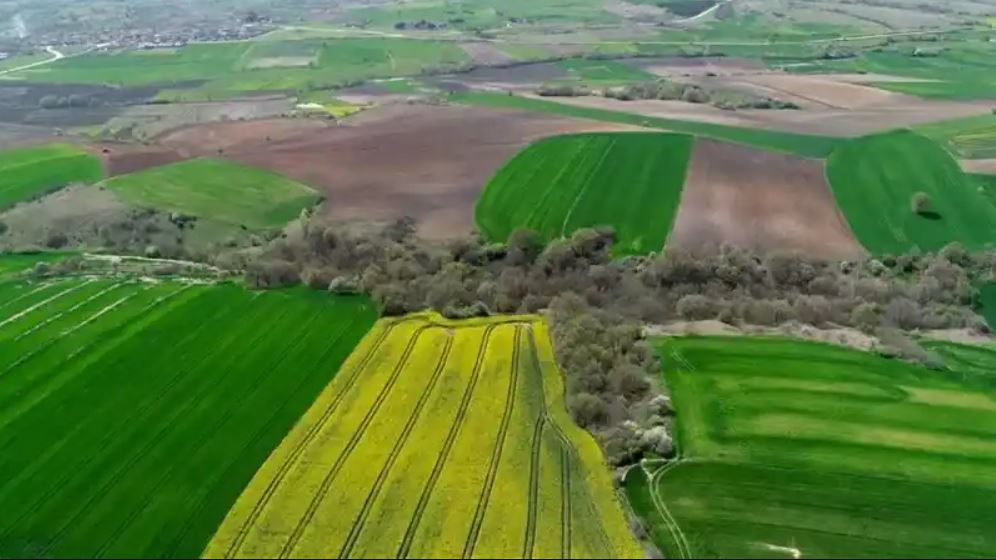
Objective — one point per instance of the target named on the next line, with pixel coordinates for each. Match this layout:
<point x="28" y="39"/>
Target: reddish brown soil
<point x="120" y="159"/>
<point x="761" y="201"/>
<point x="429" y="162"/>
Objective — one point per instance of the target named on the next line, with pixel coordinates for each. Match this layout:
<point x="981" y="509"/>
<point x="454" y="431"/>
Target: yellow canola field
<point x="437" y="439"/>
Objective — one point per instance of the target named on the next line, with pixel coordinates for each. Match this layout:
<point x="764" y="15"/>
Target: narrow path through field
<point x="56" y="55"/>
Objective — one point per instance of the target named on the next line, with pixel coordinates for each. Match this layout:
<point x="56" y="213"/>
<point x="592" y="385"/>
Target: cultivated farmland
<point x="217" y="189"/>
<point x="133" y="414"/>
<point x="874" y="179"/>
<point x="30" y="172"/>
<point x="630" y="181"/>
<point x="438" y="439"/>
<point x="791" y="448"/>
<point x="760" y="200"/>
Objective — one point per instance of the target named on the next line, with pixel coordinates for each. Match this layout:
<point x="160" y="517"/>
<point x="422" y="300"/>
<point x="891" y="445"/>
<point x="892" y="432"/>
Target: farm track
<point x="565" y="503"/>
<point x="205" y="389"/>
<point x="208" y="433"/>
<point x="534" y="466"/>
<point x="680" y="541"/>
<point x="332" y="347"/>
<point x="437" y="468"/>
<point x="72" y="309"/>
<point x="326" y="484"/>
<point x="571" y="453"/>
<point x="111" y="436"/>
<point x="286" y="466"/>
<point x="5" y="304"/>
<point x="361" y="519"/>
<point x="102" y="337"/>
<point x="482" y="502"/>
<point x="19" y="315"/>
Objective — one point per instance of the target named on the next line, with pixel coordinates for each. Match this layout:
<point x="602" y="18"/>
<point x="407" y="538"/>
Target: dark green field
<point x="874" y="179"/>
<point x="30" y="172"/>
<point x="132" y="415"/>
<point x="795" y="447"/>
<point x="630" y="181"/>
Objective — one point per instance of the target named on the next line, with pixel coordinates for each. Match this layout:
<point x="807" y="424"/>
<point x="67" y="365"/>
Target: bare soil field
<point x="429" y="162"/>
<point x="679" y="66"/>
<point x="761" y="201"/>
<point x="149" y="121"/>
<point x="121" y="159"/>
<point x="987" y="166"/>
<point x="831" y="122"/>
<point x="825" y="91"/>
<point x="486" y="53"/>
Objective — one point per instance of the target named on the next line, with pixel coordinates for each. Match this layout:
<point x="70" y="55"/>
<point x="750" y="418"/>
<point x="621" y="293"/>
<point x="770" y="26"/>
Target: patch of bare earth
<point x="827" y="92"/>
<point x="813" y="120"/>
<point x="987" y="166"/>
<point x="429" y="162"/>
<point x="121" y="159"/>
<point x="486" y="53"/>
<point x="759" y="200"/>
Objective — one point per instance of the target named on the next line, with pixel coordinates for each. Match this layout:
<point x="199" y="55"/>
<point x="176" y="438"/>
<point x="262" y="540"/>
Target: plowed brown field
<point x="759" y="200"/>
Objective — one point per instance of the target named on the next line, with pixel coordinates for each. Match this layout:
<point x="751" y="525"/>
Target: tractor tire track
<point x="358" y="524"/>
<point x="149" y="445"/>
<point x="354" y="440"/>
<point x="208" y="434"/>
<point x="572" y="457"/>
<point x="534" y="467"/>
<point x="565" y="503"/>
<point x="489" y="482"/>
<point x="437" y="469"/>
<point x="298" y="450"/>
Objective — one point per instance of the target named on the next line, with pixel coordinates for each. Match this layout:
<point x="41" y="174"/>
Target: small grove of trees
<point x="920" y="203"/>
<point x="596" y="304"/>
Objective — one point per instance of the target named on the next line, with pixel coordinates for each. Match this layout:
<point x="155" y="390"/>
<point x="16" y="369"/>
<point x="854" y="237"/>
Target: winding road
<point x="56" y="55"/>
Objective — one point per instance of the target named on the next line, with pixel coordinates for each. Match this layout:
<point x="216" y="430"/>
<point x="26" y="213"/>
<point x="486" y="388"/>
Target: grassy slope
<point x="30" y="172"/>
<point x="131" y="416"/>
<point x="972" y="137"/>
<point x="217" y="189"/>
<point x="630" y="181"/>
<point x="435" y="439"/>
<point x="799" y="144"/>
<point x="835" y="452"/>
<point x="875" y="177"/>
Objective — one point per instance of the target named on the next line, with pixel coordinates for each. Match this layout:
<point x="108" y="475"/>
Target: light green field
<point x="26" y="173"/>
<point x="235" y="68"/>
<point x="874" y="179"/>
<point x="800" y="144"/>
<point x="790" y="447"/>
<point x="133" y="414"/>
<point x="217" y="189"/>
<point x="972" y="137"/>
<point x="603" y="71"/>
<point x="630" y="181"/>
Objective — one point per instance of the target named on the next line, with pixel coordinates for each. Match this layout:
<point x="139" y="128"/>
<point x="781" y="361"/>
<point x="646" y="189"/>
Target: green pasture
<point x="26" y="173"/>
<point x="800" y="144"/>
<point x="219" y="190"/>
<point x="790" y="447"/>
<point x="875" y="177"/>
<point x="132" y="415"/>
<point x="630" y="181"/>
